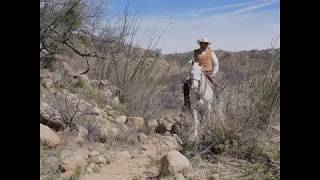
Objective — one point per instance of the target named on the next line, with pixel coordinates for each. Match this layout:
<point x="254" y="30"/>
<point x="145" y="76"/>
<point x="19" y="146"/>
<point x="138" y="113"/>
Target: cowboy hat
<point x="203" y="40"/>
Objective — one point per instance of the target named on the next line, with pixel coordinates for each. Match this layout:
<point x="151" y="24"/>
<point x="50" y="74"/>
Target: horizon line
<point x="232" y="51"/>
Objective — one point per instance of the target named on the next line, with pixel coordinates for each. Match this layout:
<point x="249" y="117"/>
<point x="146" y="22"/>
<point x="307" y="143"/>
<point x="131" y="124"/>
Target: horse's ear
<point x="191" y="61"/>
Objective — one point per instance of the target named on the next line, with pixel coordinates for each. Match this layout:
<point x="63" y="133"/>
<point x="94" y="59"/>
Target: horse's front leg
<point x="195" y="117"/>
<point x="203" y="115"/>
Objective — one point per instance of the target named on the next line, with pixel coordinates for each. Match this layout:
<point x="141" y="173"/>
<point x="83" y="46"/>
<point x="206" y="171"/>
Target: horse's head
<point x="195" y="75"/>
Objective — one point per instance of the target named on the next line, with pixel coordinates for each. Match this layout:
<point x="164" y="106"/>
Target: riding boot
<point x="210" y="78"/>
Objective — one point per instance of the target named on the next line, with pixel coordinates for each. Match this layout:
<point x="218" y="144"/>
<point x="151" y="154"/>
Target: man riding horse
<point x="209" y="62"/>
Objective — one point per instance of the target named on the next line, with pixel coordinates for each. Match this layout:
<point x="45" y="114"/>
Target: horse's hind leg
<point x="208" y="113"/>
<point x="203" y="116"/>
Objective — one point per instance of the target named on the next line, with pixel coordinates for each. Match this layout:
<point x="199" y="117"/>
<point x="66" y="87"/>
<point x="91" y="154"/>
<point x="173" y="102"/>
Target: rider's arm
<point x="215" y="63"/>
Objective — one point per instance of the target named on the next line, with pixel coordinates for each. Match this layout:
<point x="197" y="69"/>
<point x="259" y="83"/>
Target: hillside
<point x="87" y="133"/>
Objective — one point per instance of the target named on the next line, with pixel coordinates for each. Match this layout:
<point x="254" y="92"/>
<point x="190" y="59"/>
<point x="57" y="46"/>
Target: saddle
<point x="212" y="81"/>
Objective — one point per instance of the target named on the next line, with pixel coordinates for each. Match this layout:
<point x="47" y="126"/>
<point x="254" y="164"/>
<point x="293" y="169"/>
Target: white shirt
<point x="215" y="63"/>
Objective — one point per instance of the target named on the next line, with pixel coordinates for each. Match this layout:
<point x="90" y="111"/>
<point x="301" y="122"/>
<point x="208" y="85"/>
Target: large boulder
<point x="135" y="122"/>
<point x="98" y="113"/>
<point x="152" y="123"/>
<point x="51" y="117"/>
<point x="46" y="78"/>
<point x="276" y="127"/>
<point x="45" y="73"/>
<point x="46" y="83"/>
<point x="173" y="163"/>
<point x="179" y="177"/>
<point x="121" y="119"/>
<point x="103" y="134"/>
<point x="107" y="132"/>
<point x="48" y="137"/>
<point x="170" y="142"/>
<point x="114" y="114"/>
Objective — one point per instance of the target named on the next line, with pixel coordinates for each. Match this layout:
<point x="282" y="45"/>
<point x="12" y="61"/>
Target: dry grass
<point x="49" y="168"/>
<point x="138" y="77"/>
<point x="248" y="108"/>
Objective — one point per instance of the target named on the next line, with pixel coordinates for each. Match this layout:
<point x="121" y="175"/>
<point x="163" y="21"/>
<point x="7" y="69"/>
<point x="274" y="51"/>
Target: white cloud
<point x="200" y="12"/>
<point x="253" y="7"/>
<point x="228" y="6"/>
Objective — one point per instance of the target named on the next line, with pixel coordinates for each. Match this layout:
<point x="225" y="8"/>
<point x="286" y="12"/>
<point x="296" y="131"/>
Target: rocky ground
<point x="82" y="138"/>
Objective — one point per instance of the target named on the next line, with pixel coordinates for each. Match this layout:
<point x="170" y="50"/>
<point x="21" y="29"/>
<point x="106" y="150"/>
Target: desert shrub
<point x="71" y="107"/>
<point x="47" y="62"/>
<point x="70" y="27"/>
<point x="65" y="80"/>
<point x="92" y="126"/>
<point x="94" y="96"/>
<point x="79" y="83"/>
<point x="60" y="19"/>
<point x="138" y="73"/>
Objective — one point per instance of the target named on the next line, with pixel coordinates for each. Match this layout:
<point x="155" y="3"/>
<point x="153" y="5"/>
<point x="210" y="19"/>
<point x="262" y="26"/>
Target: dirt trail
<point x="142" y="162"/>
<point x="121" y="169"/>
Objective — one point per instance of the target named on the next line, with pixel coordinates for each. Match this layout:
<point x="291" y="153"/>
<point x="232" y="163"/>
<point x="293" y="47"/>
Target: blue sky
<point x="230" y="24"/>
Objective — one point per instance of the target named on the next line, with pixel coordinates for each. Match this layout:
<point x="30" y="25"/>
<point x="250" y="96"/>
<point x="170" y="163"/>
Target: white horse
<point x="201" y="96"/>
